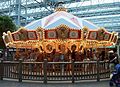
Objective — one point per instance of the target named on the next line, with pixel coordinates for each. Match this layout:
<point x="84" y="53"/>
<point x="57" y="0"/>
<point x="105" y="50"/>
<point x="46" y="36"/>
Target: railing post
<point x="98" y="73"/>
<point x="73" y="71"/>
<point x="45" y="71"/>
<point x="1" y="69"/>
<point x="20" y="71"/>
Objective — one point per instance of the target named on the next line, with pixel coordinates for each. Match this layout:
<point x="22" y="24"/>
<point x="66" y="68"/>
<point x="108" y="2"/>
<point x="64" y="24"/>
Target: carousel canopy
<point x="58" y="18"/>
<point x="60" y="29"/>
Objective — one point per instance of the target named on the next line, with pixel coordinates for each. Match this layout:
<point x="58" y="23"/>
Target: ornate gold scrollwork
<point x="62" y="33"/>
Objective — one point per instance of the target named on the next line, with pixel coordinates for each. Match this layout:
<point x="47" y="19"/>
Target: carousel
<point x="60" y="31"/>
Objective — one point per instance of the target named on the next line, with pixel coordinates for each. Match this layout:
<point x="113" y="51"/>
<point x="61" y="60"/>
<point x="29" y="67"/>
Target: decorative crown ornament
<point x="60" y="7"/>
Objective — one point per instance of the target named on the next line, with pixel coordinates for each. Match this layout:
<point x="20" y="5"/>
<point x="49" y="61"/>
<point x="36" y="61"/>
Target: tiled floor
<point x="34" y="84"/>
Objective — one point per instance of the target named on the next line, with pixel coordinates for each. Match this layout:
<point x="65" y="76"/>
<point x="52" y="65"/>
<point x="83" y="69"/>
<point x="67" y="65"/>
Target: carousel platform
<point x="6" y="83"/>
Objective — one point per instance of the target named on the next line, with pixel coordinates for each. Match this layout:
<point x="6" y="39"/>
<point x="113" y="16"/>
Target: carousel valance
<point x="62" y="34"/>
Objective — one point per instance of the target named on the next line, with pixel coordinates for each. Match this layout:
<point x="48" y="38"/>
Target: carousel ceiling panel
<point x="62" y="21"/>
<point x="58" y="18"/>
<point x="57" y="15"/>
<point x="89" y="24"/>
<point x="33" y="25"/>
